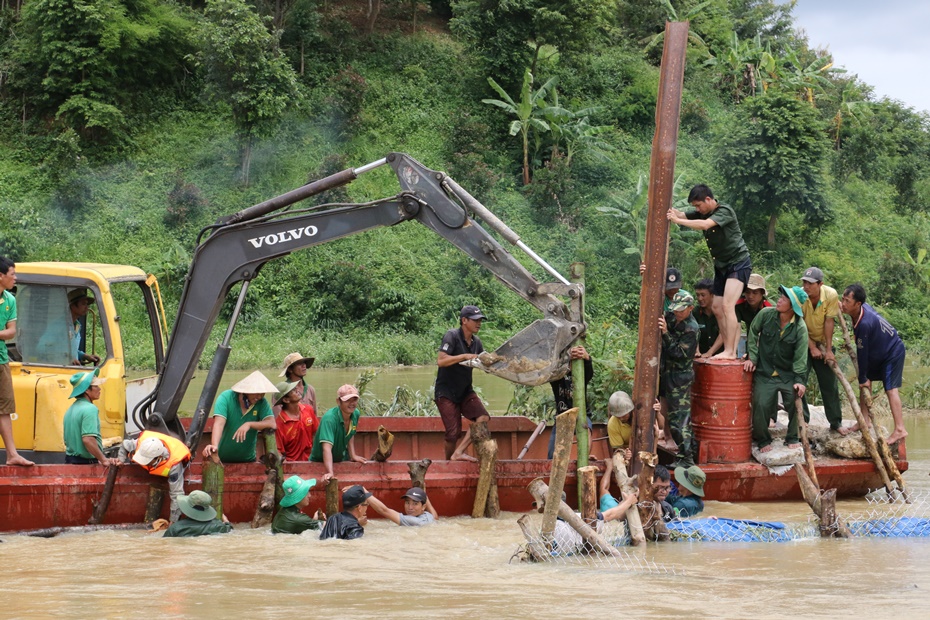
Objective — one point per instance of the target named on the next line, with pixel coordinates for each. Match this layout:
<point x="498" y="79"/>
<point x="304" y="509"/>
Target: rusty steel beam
<point x="655" y="255"/>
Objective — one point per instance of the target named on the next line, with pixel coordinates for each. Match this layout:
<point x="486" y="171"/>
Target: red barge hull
<point x="63" y="495"/>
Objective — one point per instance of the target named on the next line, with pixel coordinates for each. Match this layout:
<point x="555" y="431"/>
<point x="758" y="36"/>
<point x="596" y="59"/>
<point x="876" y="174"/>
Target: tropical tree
<point x="527" y="112"/>
<point x="806" y="78"/>
<point x="744" y="67"/>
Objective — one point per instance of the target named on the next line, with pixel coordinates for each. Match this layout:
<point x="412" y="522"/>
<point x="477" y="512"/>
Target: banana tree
<point x="527" y="111"/>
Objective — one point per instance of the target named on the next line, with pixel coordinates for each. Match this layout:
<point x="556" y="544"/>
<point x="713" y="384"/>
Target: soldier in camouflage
<point x="679" y="344"/>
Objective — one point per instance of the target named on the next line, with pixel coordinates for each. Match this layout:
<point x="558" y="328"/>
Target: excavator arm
<point x="237" y="246"/>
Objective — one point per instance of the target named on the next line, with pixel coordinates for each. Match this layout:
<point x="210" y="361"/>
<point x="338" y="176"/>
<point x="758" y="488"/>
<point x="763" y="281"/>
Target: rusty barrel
<point x="720" y="411"/>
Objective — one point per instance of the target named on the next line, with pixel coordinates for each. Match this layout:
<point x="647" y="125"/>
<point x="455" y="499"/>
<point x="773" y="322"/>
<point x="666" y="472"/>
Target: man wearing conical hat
<point x="83" y="444"/>
<point x="777" y="347"/>
<point x="238" y="414"/>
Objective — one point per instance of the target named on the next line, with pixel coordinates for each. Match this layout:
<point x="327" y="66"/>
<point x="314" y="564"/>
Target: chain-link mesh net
<point x="886" y="517"/>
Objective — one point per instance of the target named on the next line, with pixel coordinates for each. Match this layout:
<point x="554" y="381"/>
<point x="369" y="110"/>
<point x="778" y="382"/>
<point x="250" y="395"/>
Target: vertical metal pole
<point x="661" y="183"/>
<point x="578" y="389"/>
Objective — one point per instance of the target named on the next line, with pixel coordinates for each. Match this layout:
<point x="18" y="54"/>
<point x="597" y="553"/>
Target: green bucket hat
<point x="284" y="388"/>
<point x="796" y="296"/>
<point x="692" y="479"/>
<point x="83" y="380"/>
<point x="198" y="506"/>
<point x="295" y="490"/>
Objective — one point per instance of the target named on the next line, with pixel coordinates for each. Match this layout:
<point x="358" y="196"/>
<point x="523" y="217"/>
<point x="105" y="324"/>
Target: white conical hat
<point x="255" y="383"/>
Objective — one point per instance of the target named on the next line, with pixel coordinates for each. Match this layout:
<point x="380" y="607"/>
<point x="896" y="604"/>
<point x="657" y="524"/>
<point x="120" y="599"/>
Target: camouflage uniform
<point x="679" y="345"/>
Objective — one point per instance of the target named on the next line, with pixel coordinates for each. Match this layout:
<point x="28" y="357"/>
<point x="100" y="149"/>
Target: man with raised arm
<point x="417" y="509"/>
<point x="732" y="265"/>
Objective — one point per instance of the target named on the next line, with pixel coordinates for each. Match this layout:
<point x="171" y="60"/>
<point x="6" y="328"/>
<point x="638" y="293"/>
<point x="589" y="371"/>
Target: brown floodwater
<point x="461" y="568"/>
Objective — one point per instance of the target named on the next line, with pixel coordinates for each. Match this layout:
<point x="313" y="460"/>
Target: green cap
<point x="796" y="296"/>
<point x="692" y="479"/>
<point x="680" y="301"/>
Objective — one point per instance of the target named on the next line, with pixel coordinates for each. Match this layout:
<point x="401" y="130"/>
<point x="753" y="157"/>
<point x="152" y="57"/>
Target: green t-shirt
<point x="81" y="419"/>
<point x="227" y="406"/>
<point x="725" y="240"/>
<point x="186" y="528"/>
<point x="333" y="431"/>
<point x="292" y="520"/>
<point x="7" y="314"/>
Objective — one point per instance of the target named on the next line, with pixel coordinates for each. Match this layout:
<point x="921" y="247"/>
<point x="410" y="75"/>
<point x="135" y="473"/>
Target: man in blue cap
<point x="454" y="394"/>
<point x="291" y="519"/>
<point x="777" y="346"/>
<point x="83" y="443"/>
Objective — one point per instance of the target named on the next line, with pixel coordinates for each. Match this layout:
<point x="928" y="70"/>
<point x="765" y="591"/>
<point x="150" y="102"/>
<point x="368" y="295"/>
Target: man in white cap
<point x="454" y="394"/>
<point x="238" y="414"/>
<point x="199" y="518"/>
<point x="334" y="441"/>
<point x="160" y="455"/>
<point x="83" y="443"/>
<point x="417" y="509"/>
<point x="294" y="368"/>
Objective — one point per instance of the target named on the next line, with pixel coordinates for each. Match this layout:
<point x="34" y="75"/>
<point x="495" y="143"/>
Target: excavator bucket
<point x="536" y="355"/>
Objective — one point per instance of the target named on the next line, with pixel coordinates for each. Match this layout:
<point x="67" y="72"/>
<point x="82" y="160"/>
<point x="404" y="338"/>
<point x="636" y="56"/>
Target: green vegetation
<point x="129" y="126"/>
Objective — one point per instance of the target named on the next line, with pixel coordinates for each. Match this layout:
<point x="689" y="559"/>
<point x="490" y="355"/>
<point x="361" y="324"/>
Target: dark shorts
<point x="738" y="271"/>
<point x="892" y="374"/>
<point x="79" y="460"/>
<point x="452" y="413"/>
<point x="7" y="403"/>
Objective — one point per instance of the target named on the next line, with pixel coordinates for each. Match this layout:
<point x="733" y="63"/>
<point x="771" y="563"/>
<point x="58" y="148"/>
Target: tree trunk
<point x="824" y="506"/>
<point x="332" y="497"/>
<point x="374" y="7"/>
<point x="265" y="511"/>
<point x="214" y="476"/>
<point x="272" y="459"/>
<point x="541" y="492"/>
<point x="808" y="456"/>
<point x="773" y="219"/>
<point x="51" y="532"/>
<point x="418" y="473"/>
<point x="486" y="447"/>
<point x="536" y="550"/>
<point x="155" y="502"/>
<point x="587" y="479"/>
<point x="100" y="508"/>
<point x="564" y="429"/>
<point x="650" y="512"/>
<point x="385" y="445"/>
<point x="634" y="522"/>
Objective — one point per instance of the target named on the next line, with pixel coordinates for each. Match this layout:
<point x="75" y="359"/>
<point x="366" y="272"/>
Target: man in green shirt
<point x="731" y="258"/>
<point x="334" y="441"/>
<point x="198" y="517"/>
<point x="290" y="518"/>
<point x="83" y="444"/>
<point x="777" y="346"/>
<point x="8" y="332"/>
<point x="239" y="413"/>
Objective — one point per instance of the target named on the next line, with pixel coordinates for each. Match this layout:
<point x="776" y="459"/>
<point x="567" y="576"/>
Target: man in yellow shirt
<point x="619" y="430"/>
<point x="820" y="312"/>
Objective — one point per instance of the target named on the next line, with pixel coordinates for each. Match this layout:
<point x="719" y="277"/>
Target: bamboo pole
<point x="564" y="428"/>
<point x="655" y="251"/>
<point x="214" y="476"/>
<point x="634" y="523"/>
<point x="865" y="428"/>
<point x="100" y="507"/>
<point x="529" y="442"/>
<point x="579" y="391"/>
<point x="541" y="492"/>
<point x="332" y="496"/>
<point x="808" y="456"/>
<point x="537" y="550"/>
<point x="587" y="478"/>
<point x="418" y="472"/>
<point x="385" y="445"/>
<point x="486" y="448"/>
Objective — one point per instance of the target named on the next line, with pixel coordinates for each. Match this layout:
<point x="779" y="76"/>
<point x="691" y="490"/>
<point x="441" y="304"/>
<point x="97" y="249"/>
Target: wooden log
<point x="808" y="455"/>
<point x="492" y="509"/>
<point x="156" y="500"/>
<point x="650" y="511"/>
<point x="418" y="472"/>
<point x="332" y="496"/>
<point x="51" y="532"/>
<point x="824" y="506"/>
<point x="564" y="430"/>
<point x="100" y="507"/>
<point x="588" y="479"/>
<point x="847" y="344"/>
<point x="541" y="492"/>
<point x="274" y="460"/>
<point x="486" y="448"/>
<point x="264" y="513"/>
<point x="385" y="445"/>
<point x="634" y="522"/>
<point x="865" y="428"/>
<point x="214" y="475"/>
<point x="537" y="551"/>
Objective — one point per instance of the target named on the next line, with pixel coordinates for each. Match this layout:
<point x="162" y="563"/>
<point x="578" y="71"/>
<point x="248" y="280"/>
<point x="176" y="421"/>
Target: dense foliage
<point x="128" y="125"/>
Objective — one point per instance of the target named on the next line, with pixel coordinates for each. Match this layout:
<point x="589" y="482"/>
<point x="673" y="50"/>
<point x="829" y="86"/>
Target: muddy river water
<point x="460" y="568"/>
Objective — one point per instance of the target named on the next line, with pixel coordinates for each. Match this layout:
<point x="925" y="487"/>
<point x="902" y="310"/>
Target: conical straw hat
<point x="255" y="383"/>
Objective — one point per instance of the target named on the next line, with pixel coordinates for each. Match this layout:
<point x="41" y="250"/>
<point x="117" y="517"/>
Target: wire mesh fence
<point x="886" y="517"/>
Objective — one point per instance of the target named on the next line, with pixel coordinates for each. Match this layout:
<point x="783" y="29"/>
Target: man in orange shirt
<point x="296" y="422"/>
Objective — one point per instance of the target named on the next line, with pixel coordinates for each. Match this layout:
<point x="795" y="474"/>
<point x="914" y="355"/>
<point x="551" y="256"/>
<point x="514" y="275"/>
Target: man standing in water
<point x="455" y="397"/>
<point x="8" y="332"/>
<point x="732" y="265"/>
<point x="881" y="354"/>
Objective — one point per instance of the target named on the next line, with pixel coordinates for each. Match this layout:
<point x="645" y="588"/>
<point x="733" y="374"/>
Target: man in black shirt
<point x="455" y="397"/>
<point x="562" y="390"/>
<point x="350" y="523"/>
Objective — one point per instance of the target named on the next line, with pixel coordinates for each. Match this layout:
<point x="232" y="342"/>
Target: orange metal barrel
<point x="720" y="411"/>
